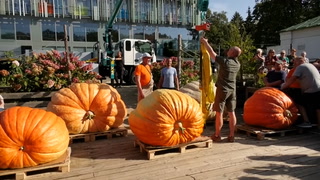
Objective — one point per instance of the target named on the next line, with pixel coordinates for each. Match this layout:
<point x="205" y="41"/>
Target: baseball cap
<point x="146" y="55"/>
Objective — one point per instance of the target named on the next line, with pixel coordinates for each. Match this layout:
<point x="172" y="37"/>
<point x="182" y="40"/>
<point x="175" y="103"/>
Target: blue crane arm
<point x="109" y="26"/>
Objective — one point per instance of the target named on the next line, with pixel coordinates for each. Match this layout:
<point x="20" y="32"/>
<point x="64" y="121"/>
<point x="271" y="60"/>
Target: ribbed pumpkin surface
<point x="157" y="117"/>
<point x="270" y="108"/>
<point x="29" y="137"/>
<point x="89" y="107"/>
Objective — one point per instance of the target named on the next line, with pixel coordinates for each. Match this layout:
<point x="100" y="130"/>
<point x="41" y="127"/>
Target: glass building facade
<point x="40" y="24"/>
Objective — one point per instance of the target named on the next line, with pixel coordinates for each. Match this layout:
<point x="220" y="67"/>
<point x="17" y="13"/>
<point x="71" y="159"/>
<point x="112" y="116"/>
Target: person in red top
<point x="270" y="60"/>
<point x="143" y="77"/>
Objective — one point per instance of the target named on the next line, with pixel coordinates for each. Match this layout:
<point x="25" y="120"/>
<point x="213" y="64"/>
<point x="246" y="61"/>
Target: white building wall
<point x="303" y="40"/>
<point x="286" y="41"/>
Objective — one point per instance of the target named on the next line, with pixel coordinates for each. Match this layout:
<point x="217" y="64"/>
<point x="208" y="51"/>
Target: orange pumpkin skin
<point x="29" y="137"/>
<point x="156" y="119"/>
<point x="270" y="108"/>
<point x="88" y="107"/>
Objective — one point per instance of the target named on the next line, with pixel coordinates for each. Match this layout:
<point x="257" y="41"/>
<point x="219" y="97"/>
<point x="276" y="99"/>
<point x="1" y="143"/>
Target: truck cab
<point x="132" y="50"/>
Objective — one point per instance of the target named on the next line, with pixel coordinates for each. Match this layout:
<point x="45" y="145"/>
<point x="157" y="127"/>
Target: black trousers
<point x="119" y="75"/>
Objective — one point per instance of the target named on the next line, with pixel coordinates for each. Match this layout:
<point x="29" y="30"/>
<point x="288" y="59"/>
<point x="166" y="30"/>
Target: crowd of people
<point x="297" y="77"/>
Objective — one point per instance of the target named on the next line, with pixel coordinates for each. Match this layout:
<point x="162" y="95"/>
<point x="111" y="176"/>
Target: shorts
<point x="147" y="89"/>
<point x="226" y="99"/>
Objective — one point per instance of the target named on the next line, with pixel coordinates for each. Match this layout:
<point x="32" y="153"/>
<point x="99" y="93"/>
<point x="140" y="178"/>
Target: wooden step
<point x="61" y="165"/>
<point x="160" y="151"/>
<point x="88" y="137"/>
<point x="261" y="133"/>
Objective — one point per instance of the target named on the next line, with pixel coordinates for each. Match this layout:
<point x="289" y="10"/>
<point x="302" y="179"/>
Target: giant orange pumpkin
<point x="29" y="137"/>
<point x="270" y="108"/>
<point x="88" y="107"/>
<point x="167" y="118"/>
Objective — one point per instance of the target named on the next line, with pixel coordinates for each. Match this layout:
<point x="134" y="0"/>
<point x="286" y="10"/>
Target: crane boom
<point x="109" y="26"/>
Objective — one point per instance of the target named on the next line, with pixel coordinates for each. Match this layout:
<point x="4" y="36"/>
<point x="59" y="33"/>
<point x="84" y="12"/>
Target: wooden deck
<point x="293" y="156"/>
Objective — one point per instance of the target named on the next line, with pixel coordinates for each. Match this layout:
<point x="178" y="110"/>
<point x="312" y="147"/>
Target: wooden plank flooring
<point x="293" y="156"/>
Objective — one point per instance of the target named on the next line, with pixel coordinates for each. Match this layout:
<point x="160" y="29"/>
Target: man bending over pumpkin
<point x="309" y="79"/>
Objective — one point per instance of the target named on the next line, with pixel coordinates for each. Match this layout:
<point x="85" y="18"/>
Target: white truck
<point x="132" y="50"/>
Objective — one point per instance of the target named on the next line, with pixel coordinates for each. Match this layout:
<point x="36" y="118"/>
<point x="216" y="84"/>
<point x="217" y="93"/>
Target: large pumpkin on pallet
<point x="88" y="107"/>
<point x="29" y="137"/>
<point x="270" y="108"/>
<point x="167" y="118"/>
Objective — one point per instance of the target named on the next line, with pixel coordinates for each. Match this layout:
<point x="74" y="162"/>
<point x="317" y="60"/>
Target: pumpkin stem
<point x="181" y="127"/>
<point x="287" y="113"/>
<point x="21" y="148"/>
<point x="89" y="115"/>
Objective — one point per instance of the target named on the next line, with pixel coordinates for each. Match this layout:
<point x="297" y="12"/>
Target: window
<point x="164" y="33"/>
<point x="92" y="32"/>
<point x="7" y="30"/>
<point x="48" y="31"/>
<point x="23" y="30"/>
<point x="79" y="33"/>
<point x="60" y="31"/>
<point x="115" y="34"/>
<point x="124" y="32"/>
<point x="150" y="33"/>
<point x="128" y="45"/>
<point x="138" y="32"/>
<point x="83" y="7"/>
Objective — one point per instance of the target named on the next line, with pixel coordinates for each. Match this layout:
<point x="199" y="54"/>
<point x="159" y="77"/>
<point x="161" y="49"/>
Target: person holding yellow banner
<point x="226" y="88"/>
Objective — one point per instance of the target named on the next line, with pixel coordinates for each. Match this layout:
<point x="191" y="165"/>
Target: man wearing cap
<point x="143" y="77"/>
<point x="275" y="77"/>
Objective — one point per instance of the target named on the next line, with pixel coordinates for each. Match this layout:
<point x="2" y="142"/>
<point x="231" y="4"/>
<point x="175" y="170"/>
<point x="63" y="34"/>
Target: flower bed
<point x="47" y="72"/>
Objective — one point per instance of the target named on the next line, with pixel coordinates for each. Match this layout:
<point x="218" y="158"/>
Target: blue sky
<point x="231" y="6"/>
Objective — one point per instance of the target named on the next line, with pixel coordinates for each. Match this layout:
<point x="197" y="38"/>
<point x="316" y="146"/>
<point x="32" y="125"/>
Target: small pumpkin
<point x="167" y="118"/>
<point x="29" y="137"/>
<point x="88" y="107"/>
<point x="270" y="108"/>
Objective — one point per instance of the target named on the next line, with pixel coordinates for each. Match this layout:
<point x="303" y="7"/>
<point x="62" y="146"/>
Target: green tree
<point x="271" y="16"/>
<point x="244" y="41"/>
<point x="224" y="34"/>
<point x="218" y="30"/>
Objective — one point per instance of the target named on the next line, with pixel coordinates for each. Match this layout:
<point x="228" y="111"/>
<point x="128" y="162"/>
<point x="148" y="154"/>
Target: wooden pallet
<point x="160" y="151"/>
<point x="260" y="132"/>
<point x="87" y="137"/>
<point x="62" y="165"/>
